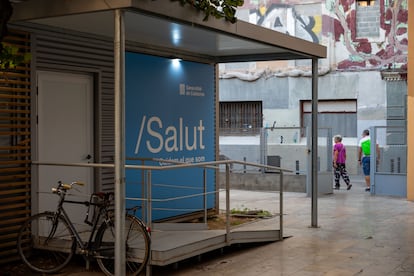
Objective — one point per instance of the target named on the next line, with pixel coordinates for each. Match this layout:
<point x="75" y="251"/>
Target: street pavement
<point x="356" y="233"/>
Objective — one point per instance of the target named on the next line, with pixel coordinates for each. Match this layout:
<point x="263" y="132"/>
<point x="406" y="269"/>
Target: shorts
<point x="366" y="165"/>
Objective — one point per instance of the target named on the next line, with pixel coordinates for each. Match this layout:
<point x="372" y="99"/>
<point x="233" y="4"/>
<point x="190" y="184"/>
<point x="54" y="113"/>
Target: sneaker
<point x="349" y="186"/>
<point x="336" y="187"/>
<point x="368" y="189"/>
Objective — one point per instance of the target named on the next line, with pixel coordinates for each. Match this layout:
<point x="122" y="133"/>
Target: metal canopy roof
<point x="164" y="27"/>
<point x="167" y="28"/>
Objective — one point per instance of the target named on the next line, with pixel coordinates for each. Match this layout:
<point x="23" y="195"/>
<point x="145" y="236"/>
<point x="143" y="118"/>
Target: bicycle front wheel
<point x="137" y="245"/>
<point x="45" y="243"/>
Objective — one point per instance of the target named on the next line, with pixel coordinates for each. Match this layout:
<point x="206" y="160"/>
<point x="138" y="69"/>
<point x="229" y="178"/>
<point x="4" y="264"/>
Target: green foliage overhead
<point x="10" y="57"/>
<point x="216" y="8"/>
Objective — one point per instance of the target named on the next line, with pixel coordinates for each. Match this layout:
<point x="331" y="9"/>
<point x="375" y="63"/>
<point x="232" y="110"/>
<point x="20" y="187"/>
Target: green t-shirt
<point x="365" y="144"/>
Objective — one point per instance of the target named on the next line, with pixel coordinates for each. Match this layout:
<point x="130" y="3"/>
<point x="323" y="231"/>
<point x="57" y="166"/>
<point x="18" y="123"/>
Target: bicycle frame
<point x="102" y="212"/>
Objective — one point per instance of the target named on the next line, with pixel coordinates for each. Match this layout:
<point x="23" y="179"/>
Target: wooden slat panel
<point x="15" y="213"/>
<point x="13" y="155"/>
<point x="2" y="104"/>
<point x="14" y="126"/>
<point x="11" y="206"/>
<point x="16" y="198"/>
<point x="13" y="75"/>
<point x="14" y="221"/>
<point x="15" y="90"/>
<point x="14" y="184"/>
<point x="13" y="170"/>
<point x="15" y="163"/>
<point x="16" y="97"/>
<point x="14" y="228"/>
<point x="15" y="148"/>
<point x="10" y="243"/>
<point x="14" y="82"/>
<point x="14" y="176"/>
<point x="15" y="191"/>
<point x="14" y="119"/>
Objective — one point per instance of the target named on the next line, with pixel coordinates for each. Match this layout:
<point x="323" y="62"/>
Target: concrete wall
<point x="289" y="154"/>
<point x="264" y="182"/>
<point x="281" y="98"/>
<point x="271" y="182"/>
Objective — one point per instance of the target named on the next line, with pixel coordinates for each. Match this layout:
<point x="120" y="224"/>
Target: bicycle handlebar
<point x="62" y="188"/>
<point x="66" y="186"/>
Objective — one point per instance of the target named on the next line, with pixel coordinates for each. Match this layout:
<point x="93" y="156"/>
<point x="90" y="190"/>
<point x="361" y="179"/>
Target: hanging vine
<point x="8" y="55"/>
<point x="217" y="8"/>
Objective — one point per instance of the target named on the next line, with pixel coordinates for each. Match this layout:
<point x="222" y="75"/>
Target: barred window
<point x="241" y="118"/>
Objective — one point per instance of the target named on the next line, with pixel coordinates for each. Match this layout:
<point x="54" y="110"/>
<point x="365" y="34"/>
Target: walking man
<point x="364" y="159"/>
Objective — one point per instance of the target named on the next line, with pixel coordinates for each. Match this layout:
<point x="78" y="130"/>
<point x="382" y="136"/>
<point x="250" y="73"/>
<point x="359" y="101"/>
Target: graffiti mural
<point x="338" y="21"/>
<point x="387" y="50"/>
<point x="284" y="19"/>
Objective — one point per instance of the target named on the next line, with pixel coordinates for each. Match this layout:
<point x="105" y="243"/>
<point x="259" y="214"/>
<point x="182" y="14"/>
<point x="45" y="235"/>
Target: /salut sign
<point x="170" y="138"/>
<point x="169" y="115"/>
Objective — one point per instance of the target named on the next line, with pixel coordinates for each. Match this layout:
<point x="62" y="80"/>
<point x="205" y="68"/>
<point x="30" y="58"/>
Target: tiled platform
<point x="172" y="246"/>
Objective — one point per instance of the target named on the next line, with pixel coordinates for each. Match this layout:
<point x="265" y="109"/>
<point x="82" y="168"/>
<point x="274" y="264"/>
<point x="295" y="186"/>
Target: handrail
<point x="211" y="164"/>
<point x="161" y="168"/>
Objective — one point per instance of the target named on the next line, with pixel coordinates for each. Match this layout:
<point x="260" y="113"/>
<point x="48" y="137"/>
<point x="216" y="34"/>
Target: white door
<point x="64" y="135"/>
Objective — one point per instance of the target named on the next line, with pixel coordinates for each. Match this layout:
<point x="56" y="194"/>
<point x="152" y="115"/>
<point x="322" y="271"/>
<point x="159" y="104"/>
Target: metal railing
<point x="149" y="199"/>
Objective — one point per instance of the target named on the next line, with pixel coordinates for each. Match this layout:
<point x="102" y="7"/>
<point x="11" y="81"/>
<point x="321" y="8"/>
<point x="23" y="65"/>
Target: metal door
<point x="64" y="135"/>
<point x="389" y="174"/>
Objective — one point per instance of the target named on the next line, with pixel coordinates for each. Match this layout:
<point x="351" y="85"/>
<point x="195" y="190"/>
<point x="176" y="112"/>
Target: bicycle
<point x="47" y="241"/>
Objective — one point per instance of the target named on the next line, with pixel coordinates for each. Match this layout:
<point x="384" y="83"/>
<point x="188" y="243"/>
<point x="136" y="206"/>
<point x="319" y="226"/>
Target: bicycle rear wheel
<point x="45" y="243"/>
<point x="137" y="245"/>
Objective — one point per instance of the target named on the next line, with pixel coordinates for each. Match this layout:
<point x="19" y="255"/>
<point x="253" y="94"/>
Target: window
<point x="241" y="118"/>
<point x="339" y="115"/>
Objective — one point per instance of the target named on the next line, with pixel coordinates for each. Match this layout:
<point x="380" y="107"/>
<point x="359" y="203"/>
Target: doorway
<point x="64" y="135"/>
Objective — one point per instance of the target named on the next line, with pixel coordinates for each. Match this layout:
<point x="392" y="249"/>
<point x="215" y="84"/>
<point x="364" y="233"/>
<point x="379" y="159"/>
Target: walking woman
<point x="339" y="160"/>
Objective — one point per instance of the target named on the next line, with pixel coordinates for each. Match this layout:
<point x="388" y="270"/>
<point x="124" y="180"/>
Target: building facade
<point x="362" y="83"/>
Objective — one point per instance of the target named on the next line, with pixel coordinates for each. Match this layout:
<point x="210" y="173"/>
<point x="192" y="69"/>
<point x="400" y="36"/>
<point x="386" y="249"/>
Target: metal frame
<point x="120" y="257"/>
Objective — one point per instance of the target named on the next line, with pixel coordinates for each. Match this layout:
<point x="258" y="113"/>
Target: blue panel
<point x="390" y="185"/>
<point x="170" y="115"/>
